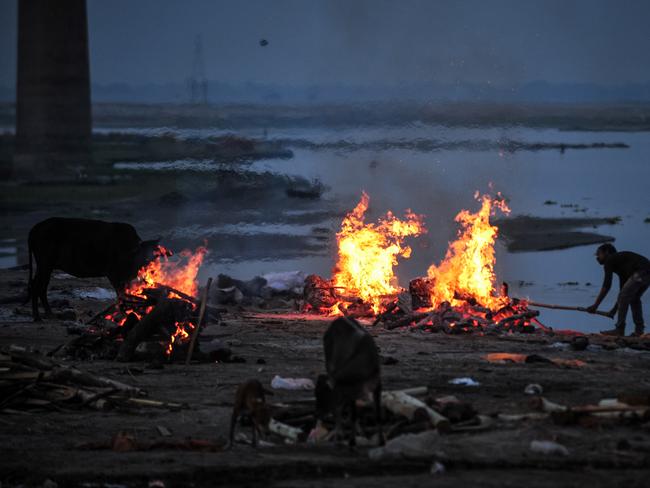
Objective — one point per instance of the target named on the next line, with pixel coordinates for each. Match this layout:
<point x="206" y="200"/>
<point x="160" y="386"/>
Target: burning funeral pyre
<point x="161" y="305"/>
<point x="458" y="295"/>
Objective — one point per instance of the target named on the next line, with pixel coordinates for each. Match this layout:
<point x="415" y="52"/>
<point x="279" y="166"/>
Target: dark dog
<point x="250" y="401"/>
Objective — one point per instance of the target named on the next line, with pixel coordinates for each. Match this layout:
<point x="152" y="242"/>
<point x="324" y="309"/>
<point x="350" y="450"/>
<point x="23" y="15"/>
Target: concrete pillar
<point x="53" y="118"/>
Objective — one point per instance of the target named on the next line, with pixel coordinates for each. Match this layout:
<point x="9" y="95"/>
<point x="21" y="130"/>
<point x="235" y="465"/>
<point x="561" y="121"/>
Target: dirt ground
<point x="53" y="445"/>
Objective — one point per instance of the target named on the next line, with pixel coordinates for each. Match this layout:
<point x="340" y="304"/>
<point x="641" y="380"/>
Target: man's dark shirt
<point x="624" y="264"/>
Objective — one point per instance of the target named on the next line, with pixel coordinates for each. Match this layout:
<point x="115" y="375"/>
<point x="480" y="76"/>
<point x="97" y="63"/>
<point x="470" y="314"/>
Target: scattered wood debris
<point x="32" y="381"/>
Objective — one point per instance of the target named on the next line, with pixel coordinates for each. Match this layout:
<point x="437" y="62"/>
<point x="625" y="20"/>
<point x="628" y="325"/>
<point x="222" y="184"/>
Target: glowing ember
<point x="468" y="267"/>
<point x="367" y="253"/>
<point x="181" y="334"/>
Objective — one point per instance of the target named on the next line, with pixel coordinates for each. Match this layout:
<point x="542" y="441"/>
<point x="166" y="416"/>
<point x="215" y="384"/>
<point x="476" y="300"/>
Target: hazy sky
<point x="362" y="41"/>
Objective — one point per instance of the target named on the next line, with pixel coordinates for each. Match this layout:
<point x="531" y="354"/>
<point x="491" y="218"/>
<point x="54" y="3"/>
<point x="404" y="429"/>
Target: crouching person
<point x="633" y="271"/>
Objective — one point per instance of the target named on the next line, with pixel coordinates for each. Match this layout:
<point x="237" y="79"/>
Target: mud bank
<point x="40" y="445"/>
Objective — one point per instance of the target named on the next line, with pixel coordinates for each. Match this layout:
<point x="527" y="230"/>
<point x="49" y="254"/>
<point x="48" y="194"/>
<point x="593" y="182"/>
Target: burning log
<point x="319" y="293"/>
<point x="162" y="315"/>
<point x="356" y="309"/>
<point x="401" y="322"/>
<point x="405" y="302"/>
<point x="527" y="315"/>
<point x="420" y="290"/>
<point x="386" y="313"/>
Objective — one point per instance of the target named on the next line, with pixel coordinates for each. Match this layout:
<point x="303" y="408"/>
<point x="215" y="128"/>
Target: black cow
<point x="353" y="371"/>
<point x="84" y="248"/>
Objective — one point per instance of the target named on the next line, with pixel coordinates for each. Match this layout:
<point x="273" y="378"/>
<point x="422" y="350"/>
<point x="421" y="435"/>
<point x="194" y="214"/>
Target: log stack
<point x="35" y="382"/>
<point x="160" y="314"/>
<point x="413" y="308"/>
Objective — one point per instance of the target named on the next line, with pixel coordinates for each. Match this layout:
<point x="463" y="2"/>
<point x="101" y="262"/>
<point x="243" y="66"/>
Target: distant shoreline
<point x="628" y="117"/>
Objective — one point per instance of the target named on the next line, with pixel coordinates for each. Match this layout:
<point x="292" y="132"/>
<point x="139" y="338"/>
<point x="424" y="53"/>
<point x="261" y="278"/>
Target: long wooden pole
<point x="199" y="322"/>
<point x="566" y="307"/>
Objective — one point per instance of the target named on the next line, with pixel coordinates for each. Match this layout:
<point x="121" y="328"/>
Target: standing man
<point x="633" y="271"/>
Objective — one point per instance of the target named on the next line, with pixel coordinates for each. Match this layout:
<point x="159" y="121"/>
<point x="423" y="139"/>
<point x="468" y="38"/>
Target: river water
<point x="441" y="181"/>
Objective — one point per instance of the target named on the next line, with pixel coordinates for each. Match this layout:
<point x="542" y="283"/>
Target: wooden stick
<point x="146" y="402"/>
<point x="84" y="378"/>
<point x="199" y="322"/>
<point x="400" y="403"/>
<point x="424" y="321"/>
<point x="566" y="307"/>
<point x="516" y="417"/>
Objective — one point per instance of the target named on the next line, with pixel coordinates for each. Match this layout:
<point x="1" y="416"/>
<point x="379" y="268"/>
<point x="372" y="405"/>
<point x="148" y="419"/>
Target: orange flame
<point x="367" y="253"/>
<point x="468" y="267"/>
<point x="181" y="334"/>
<point x="179" y="274"/>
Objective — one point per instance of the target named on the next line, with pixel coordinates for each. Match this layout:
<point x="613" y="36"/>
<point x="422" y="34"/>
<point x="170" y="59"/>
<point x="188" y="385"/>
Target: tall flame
<point x="367" y="252"/>
<point x="178" y="274"/>
<point x="468" y="267"/>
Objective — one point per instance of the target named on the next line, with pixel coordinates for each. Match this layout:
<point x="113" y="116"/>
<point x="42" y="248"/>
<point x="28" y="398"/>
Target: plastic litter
<point x="437" y="468"/>
<point x="279" y="383"/>
<point x="548" y="447"/>
<point x="95" y="293"/>
<point x="285" y="280"/>
<point x="533" y="389"/>
<point x="464" y="382"/>
<point x="411" y="446"/>
<point x="318" y="434"/>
